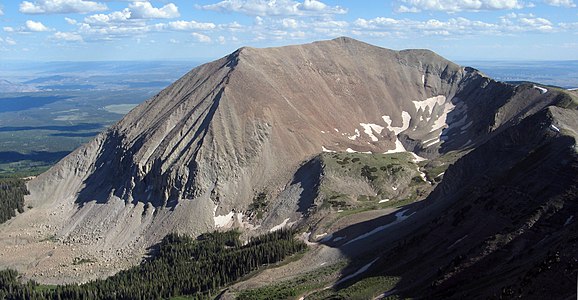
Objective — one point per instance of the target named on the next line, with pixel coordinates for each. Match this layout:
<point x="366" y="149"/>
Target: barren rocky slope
<point x="197" y="156"/>
<point x="500" y="225"/>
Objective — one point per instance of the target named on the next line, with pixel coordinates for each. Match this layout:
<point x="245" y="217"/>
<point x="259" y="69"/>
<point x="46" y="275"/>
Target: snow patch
<point x="322" y="131"/>
<point x="369" y="128"/>
<point x="405" y="119"/>
<point x="541" y="89"/>
<point x="394" y="188"/>
<point x="456" y="242"/>
<point x="326" y="238"/>
<point x="222" y="221"/>
<point x="429" y="103"/>
<point x="280" y="226"/>
<point x="417" y="158"/>
<point x="353" y="137"/>
<point x="441" y="121"/>
<point x="305" y="238"/>
<point x="383" y="200"/>
<point x="399" y="217"/>
<point x="336" y="130"/>
<point x="339" y="238"/>
<point x="349" y="150"/>
<point x="363" y="269"/>
<point x="431" y="142"/>
<point x="423" y="176"/>
<point x="398" y="148"/>
<point x="423" y="78"/>
<point x="554" y="127"/>
<point x="573" y="89"/>
<point x="568" y="221"/>
<point x="327" y="150"/>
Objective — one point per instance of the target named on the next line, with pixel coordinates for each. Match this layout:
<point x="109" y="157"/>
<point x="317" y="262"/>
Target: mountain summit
<point x="246" y="128"/>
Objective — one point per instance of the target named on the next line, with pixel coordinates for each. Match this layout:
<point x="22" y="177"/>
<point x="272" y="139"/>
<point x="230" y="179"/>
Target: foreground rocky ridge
<point x="196" y="156"/>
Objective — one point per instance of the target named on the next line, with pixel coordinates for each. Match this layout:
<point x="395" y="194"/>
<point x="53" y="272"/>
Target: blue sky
<point x="55" y="30"/>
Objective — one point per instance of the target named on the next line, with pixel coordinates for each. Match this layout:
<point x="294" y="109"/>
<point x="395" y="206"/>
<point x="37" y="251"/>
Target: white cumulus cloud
<point x="8" y="41"/>
<point x="35" y="26"/>
<point x="68" y="36"/>
<point x="289" y="23"/>
<point x="564" y="3"/>
<point x="457" y="5"/>
<point x="275" y="7"/>
<point x="526" y="23"/>
<point x="104" y="19"/>
<point x="459" y="26"/>
<point x="71" y="21"/>
<point x="314" y="5"/>
<point x="201" y="37"/>
<point x="1" y="12"/>
<point x="60" y="6"/>
<point x="190" y="25"/>
<point x="145" y="10"/>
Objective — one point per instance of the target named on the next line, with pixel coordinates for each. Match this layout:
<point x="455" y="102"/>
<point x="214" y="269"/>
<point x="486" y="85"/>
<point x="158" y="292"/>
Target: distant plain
<point x="49" y="109"/>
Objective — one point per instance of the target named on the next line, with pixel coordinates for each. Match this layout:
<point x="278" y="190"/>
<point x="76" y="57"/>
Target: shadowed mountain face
<point x="196" y="156"/>
<point x="500" y="224"/>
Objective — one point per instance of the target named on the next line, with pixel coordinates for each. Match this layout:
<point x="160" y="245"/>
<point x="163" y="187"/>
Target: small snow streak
<point x="398" y="148"/>
<point x="554" y="127"/>
<point x="369" y="128"/>
<point x="541" y="89"/>
<point x="355" y="136"/>
<point x="441" y="121"/>
<point x="327" y="150"/>
<point x="417" y="158"/>
<point x="280" y="226"/>
<point x="399" y="217"/>
<point x="222" y="221"/>
<point x="363" y="269"/>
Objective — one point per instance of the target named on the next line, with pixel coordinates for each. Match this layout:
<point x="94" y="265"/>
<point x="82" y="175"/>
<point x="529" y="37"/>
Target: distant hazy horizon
<point x="563" y="73"/>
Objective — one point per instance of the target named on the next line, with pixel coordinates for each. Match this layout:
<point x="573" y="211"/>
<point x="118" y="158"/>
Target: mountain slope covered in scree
<point x="332" y="138"/>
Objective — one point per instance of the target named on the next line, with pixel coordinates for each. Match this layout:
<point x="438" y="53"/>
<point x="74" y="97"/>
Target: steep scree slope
<point x="195" y="156"/>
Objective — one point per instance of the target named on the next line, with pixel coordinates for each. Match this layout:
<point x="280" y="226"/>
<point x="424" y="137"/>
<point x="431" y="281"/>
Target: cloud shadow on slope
<point x="36" y="156"/>
<point x="11" y="104"/>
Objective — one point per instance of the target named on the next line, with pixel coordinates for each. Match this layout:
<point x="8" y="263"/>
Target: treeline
<point x="181" y="266"/>
<point x="12" y="191"/>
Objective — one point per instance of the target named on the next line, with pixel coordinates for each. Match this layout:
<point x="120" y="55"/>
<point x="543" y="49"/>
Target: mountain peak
<point x="242" y="126"/>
